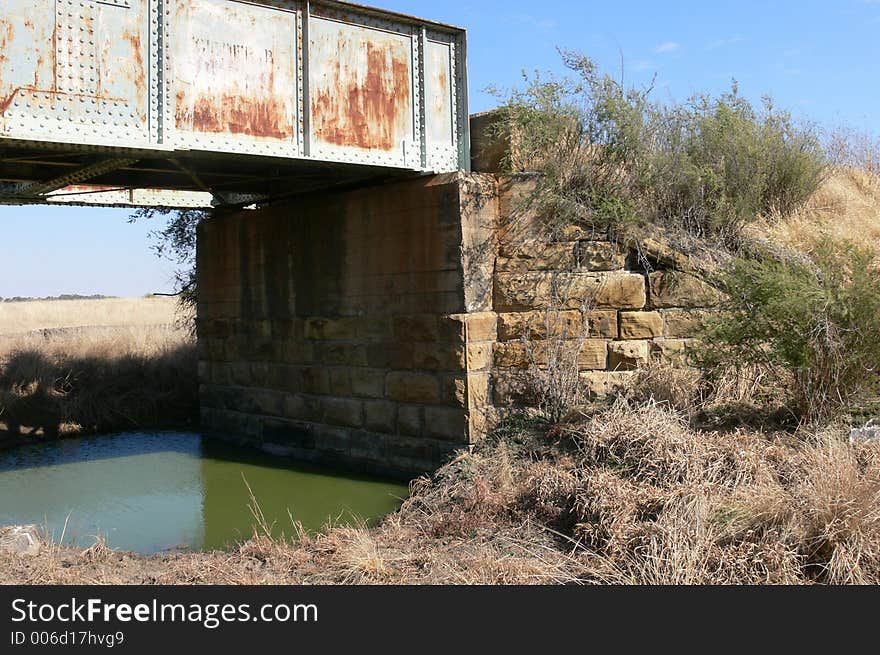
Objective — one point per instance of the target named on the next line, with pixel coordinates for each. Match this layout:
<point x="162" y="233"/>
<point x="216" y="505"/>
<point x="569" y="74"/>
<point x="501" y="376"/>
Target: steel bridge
<point x="207" y="103"/>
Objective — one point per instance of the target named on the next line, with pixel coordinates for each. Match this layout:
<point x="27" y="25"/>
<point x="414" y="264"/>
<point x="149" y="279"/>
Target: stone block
<point x="593" y="355"/>
<point x="343" y="354"/>
<point x="682" y="323"/>
<point x="285" y="378"/>
<point x="677" y="289"/>
<point x="466" y="391"/>
<point x="380" y="416"/>
<point x="367" y="447"/>
<point x="409" y="420"/>
<point x="673" y="351"/>
<point x="375" y="327"/>
<point x="628" y="355"/>
<point x="340" y="382"/>
<point x="260" y="374"/>
<point x="414" y="328"/>
<point x="601" y="324"/>
<point x="330" y="440"/>
<point x="540" y="325"/>
<point x="298" y="352"/>
<point x="537" y="256"/>
<point x="510" y="389"/>
<point x="482" y="422"/>
<point x="331" y="329"/>
<point x="438" y="356"/>
<point x="447" y="423"/>
<point x="301" y="408"/>
<point x="268" y="403"/>
<point x="346" y="412"/>
<point x="600" y="385"/>
<point x="620" y="291"/>
<point x="241" y="373"/>
<point x="640" y="325"/>
<point x="316" y="380"/>
<point x="479" y="356"/>
<point x="406" y="387"/>
<point x="367" y="382"/>
<point x="480" y="326"/>
<point x="598" y="256"/>
<point x="520" y="355"/>
<point x="538" y="291"/>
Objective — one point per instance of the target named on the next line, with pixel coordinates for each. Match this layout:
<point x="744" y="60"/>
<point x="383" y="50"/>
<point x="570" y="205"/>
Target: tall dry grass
<point x="632" y="494"/>
<point x="17" y="318"/>
<point x="88" y="366"/>
<point x="846" y="208"/>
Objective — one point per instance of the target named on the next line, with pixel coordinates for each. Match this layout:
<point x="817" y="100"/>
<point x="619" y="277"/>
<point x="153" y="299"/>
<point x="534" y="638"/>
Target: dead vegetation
<point x="631" y="494"/>
<point x="78" y="367"/>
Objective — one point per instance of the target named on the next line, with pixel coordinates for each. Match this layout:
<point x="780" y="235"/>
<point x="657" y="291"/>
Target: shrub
<point x="609" y="155"/>
<point x="553" y="377"/>
<point x="817" y="320"/>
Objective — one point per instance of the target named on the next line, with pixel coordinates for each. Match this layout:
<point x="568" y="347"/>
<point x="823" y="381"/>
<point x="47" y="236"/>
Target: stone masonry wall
<point x="581" y="287"/>
<point x="345" y="327"/>
<point x="388" y="327"/>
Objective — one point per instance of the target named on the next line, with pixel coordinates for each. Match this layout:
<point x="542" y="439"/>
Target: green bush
<point x="610" y="155"/>
<point x="817" y="320"/>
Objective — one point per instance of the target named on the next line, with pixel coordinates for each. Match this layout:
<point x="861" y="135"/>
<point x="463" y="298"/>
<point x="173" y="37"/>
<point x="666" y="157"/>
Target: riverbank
<point x="631" y="493"/>
<point x="81" y="367"/>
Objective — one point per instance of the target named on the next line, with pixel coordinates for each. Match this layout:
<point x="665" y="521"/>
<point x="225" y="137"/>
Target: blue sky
<point x="817" y="58"/>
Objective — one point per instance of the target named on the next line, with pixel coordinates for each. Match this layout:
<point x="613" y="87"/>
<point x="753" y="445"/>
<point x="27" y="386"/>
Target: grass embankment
<point x="629" y="494"/>
<point x="90" y="366"/>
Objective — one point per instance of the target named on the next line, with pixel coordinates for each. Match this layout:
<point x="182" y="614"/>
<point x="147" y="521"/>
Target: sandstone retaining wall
<point x="387" y="327"/>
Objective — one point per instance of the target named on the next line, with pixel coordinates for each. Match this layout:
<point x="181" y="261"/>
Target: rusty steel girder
<point x="223" y="98"/>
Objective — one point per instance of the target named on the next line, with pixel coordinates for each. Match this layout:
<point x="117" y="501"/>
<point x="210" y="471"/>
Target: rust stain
<point x="80" y="188"/>
<point x="6" y="102"/>
<point x="55" y="46"/>
<point x="376" y="113"/>
<point x="140" y="71"/>
<point x="243" y="102"/>
<point x="234" y="114"/>
<point x="7" y="36"/>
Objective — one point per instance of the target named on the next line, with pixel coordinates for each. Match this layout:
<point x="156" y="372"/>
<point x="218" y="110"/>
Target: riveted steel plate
<point x="254" y="97"/>
<point x="234" y="77"/>
<point x="75" y="69"/>
<point x="107" y="196"/>
<point x="362" y="93"/>
<point x="441" y="137"/>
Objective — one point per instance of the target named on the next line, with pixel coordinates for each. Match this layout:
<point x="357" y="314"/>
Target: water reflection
<point x="154" y="492"/>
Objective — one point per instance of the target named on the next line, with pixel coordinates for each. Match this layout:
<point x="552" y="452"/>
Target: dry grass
<point x="74" y="367"/>
<point x="21" y="317"/>
<point x="845" y="208"/>
<point x="631" y="494"/>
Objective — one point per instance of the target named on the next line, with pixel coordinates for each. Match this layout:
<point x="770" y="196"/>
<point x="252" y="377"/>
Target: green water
<point x="150" y="493"/>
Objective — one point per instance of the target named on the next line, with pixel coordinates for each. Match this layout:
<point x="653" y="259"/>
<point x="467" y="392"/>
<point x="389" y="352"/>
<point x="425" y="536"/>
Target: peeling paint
<point x="362" y="93"/>
<point x="235" y="70"/>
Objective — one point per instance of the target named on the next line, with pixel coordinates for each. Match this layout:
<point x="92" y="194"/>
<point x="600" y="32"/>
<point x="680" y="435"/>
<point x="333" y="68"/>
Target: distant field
<point x="71" y="367"/>
<point x="109" y="327"/>
<point x="21" y="317"/>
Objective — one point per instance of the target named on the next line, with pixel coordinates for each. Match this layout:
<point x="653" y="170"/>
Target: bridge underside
<point x="121" y="177"/>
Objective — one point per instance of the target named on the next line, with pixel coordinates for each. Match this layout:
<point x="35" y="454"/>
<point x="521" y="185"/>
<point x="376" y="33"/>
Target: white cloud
<point x="667" y="47"/>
